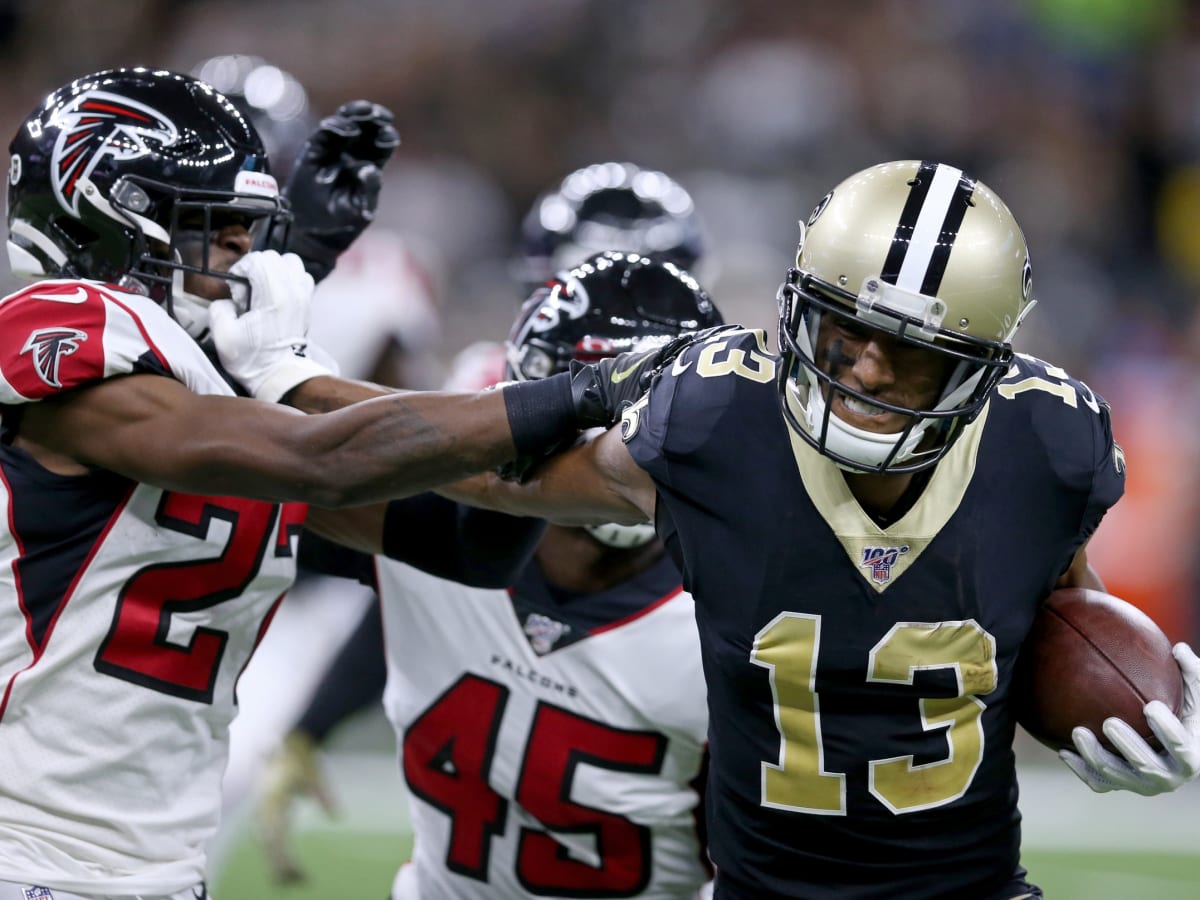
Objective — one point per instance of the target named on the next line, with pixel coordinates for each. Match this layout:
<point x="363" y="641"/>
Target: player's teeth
<point x="863" y="409"/>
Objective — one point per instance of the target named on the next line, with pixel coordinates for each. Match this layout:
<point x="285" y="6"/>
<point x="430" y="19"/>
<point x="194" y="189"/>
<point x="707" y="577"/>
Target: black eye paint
<point x="836" y="357"/>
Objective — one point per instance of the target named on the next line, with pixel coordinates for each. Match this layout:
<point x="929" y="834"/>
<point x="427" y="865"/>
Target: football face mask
<point x="121" y="175"/>
<point x="926" y="263"/>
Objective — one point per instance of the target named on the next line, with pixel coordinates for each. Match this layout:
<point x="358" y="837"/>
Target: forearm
<point x="594" y="483"/>
<point x="400" y="444"/>
<point x="328" y="393"/>
<point x="534" y="498"/>
<point x="155" y="431"/>
<point x="443" y="436"/>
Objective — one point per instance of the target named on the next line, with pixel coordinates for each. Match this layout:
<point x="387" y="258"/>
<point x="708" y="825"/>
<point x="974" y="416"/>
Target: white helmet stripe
<point x="927" y="230"/>
<point x="21" y="228"/>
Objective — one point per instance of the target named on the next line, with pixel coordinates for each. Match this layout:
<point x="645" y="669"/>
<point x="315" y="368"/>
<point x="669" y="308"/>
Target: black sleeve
<point x="700" y="786"/>
<point x="319" y="556"/>
<point x="354" y="680"/>
<point x="471" y="546"/>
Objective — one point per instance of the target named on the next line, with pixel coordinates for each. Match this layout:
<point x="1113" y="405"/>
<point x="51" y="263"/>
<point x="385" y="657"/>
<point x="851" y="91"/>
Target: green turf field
<point x="338" y="864"/>
<point x="1076" y="875"/>
<point x="362" y="866"/>
<point x="1078" y="845"/>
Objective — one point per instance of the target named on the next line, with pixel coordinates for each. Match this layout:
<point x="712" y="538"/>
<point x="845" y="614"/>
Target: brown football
<point x="1090" y="655"/>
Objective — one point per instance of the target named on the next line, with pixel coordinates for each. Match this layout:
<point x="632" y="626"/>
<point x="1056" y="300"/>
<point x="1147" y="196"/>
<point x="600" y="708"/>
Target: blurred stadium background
<point x="1083" y="114"/>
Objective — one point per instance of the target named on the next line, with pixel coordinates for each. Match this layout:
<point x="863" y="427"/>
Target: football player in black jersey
<point x="868" y="521"/>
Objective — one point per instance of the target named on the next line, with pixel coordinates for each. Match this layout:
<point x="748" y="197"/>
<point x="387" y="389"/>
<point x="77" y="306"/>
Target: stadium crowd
<point x="1083" y="125"/>
<point x="1081" y="114"/>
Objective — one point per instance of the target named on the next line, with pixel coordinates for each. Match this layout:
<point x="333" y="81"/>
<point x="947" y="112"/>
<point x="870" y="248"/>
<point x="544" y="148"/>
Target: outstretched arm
<point x="594" y="482"/>
<point x="154" y="430"/>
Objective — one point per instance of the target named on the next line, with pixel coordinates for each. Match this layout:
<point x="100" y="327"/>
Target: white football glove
<point x="1137" y="767"/>
<point x="266" y="347"/>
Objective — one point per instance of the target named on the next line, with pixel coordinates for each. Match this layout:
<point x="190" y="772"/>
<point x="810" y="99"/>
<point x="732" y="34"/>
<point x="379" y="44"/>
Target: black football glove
<point x="334" y="188"/>
<point x="600" y="392"/>
<point x="603" y="391"/>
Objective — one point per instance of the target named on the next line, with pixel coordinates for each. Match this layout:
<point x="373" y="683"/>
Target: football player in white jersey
<point x="603" y="206"/>
<point x="149" y="512"/>
<point x="552" y="735"/>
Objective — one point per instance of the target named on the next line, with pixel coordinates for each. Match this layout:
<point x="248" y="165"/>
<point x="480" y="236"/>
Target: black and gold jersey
<point x="858" y="676"/>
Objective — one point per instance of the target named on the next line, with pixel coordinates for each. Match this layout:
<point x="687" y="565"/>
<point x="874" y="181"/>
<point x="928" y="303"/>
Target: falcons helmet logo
<point x="97" y="124"/>
<point x="48" y="346"/>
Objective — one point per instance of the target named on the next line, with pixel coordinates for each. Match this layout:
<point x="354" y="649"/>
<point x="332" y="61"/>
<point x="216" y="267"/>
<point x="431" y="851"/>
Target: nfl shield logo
<point x="543" y="632"/>
<point x="880" y="561"/>
<point x="38" y="893"/>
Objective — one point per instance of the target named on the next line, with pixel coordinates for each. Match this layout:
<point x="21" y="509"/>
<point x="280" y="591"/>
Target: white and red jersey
<point x="379" y="292"/>
<point x="553" y="745"/>
<point x="126" y="614"/>
<point x="477" y="366"/>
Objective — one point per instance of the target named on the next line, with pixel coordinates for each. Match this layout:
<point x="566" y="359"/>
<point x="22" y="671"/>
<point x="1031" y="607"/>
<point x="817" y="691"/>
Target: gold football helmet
<point x="919" y="254"/>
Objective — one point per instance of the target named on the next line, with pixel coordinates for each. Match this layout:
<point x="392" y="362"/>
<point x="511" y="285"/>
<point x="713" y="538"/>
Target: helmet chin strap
<point x="189" y="310"/>
<point x="622" y="537"/>
<point x="868" y="448"/>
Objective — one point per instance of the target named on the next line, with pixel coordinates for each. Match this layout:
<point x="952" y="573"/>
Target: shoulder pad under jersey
<point x="1072" y="423"/>
<point x="59" y="334"/>
<point x="695" y="396"/>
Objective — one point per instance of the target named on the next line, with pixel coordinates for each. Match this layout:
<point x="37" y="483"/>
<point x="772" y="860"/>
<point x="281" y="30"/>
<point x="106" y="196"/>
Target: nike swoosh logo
<point x="618" y="377"/>
<point x="680" y="366"/>
<point x="79" y="296"/>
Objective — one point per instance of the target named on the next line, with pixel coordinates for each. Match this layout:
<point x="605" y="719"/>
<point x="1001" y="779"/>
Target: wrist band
<point x="540" y="413"/>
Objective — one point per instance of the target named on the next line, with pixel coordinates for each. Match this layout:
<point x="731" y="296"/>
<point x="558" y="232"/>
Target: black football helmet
<point x="116" y="171"/>
<point x="609" y="206"/>
<point x="610" y="303"/>
<point x="272" y="99"/>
